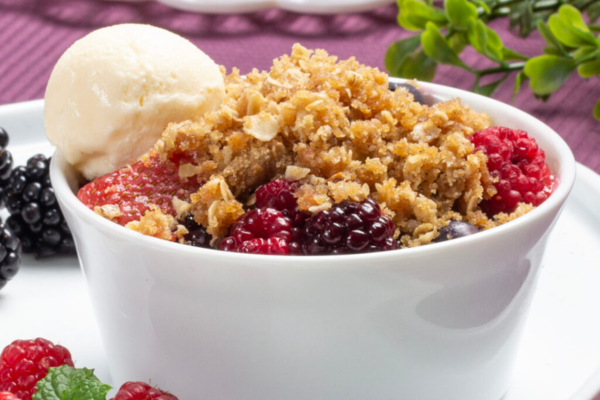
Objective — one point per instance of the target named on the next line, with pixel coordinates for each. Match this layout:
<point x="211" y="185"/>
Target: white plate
<point x="303" y="6"/>
<point x="561" y="345"/>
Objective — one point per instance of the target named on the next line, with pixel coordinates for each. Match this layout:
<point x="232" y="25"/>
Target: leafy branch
<point x="444" y="32"/>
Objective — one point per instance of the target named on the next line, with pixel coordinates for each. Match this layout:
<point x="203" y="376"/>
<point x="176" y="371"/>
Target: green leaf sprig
<point x="572" y="45"/>
<point x="68" y="383"/>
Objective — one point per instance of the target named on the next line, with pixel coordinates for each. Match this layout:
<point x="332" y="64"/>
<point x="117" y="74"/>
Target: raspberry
<point x="348" y="227"/>
<point x="141" y="391"/>
<point x="519" y="166"/>
<point x="8" y="396"/>
<point x="279" y="195"/>
<point x="24" y="362"/>
<point x="136" y="187"/>
<point x="259" y="231"/>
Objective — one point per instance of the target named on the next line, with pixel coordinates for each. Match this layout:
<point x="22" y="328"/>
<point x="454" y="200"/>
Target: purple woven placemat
<point x="34" y="33"/>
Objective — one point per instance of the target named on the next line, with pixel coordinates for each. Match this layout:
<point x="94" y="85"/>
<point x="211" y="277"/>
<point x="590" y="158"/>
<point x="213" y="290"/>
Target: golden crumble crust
<point x="337" y="128"/>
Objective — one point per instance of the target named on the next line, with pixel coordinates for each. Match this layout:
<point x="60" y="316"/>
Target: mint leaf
<point x="597" y="111"/>
<point x="68" y="383"/>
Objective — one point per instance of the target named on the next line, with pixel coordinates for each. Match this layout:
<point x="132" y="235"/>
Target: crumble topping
<point x="335" y="127"/>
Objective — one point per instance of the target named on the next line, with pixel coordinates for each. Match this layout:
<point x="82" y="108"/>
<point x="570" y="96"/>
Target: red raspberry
<point x="279" y="195"/>
<point x="135" y="187"/>
<point x="8" y="396"/>
<point x="346" y="228"/>
<point x="141" y="391"/>
<point x="520" y="166"/>
<point x="24" y="362"/>
<point x="259" y="231"/>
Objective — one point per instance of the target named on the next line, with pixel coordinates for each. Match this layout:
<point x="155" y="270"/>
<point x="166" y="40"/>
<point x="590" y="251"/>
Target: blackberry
<point x="417" y="95"/>
<point x="346" y="228"/>
<point x="197" y="235"/>
<point x="35" y="217"/>
<point x="6" y="164"/>
<point x="10" y="255"/>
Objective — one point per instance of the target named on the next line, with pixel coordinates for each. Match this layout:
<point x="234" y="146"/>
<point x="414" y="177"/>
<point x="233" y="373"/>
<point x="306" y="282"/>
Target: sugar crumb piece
<point x="294" y="173"/>
<point x="263" y="126"/>
<point x="180" y="206"/>
<point x="154" y="223"/>
<point x="108" y="211"/>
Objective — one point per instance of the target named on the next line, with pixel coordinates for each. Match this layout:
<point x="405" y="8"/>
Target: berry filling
<point x="259" y="231"/>
<point x="279" y="195"/>
<point x="348" y="227"/>
<point x="135" y="188"/>
<point x="197" y="235"/>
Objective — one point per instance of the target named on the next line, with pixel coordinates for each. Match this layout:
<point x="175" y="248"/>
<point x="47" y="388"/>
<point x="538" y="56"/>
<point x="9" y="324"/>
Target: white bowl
<point x="435" y="322"/>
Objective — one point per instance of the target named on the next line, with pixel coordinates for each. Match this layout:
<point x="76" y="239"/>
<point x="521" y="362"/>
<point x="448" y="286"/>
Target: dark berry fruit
<point x="418" y="96"/>
<point x="36" y="218"/>
<point x="10" y="255"/>
<point x="141" y="391"/>
<point x="197" y="235"/>
<point x="454" y="230"/>
<point x="24" y="362"/>
<point x="279" y="195"/>
<point x="6" y="164"/>
<point x="519" y="166"/>
<point x="348" y="227"/>
<point x="259" y="231"/>
<point x="3" y="138"/>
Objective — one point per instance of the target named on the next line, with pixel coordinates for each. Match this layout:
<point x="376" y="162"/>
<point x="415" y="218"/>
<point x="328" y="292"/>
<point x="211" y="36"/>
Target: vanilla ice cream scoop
<point x="112" y="93"/>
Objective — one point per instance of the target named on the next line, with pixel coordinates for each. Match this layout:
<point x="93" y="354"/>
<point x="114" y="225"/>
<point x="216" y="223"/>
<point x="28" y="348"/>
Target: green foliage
<point x="68" y="383"/>
<point x="460" y="13"/>
<point x="547" y="73"/>
<point x="569" y="27"/>
<point x="406" y="58"/>
<point x="445" y="32"/>
<point x="415" y="14"/>
<point x="437" y="48"/>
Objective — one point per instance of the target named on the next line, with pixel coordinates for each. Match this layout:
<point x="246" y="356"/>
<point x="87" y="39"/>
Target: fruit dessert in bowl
<point x="298" y="234"/>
